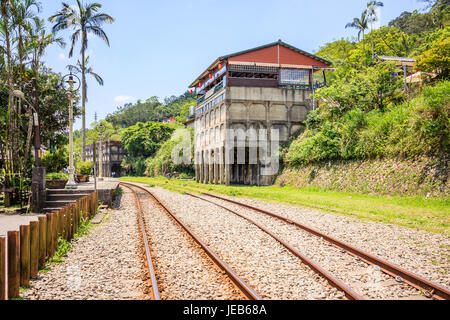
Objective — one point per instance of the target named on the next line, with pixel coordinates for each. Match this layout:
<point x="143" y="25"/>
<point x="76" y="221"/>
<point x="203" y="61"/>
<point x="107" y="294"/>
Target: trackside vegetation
<point x="364" y="129"/>
<point x="412" y="212"/>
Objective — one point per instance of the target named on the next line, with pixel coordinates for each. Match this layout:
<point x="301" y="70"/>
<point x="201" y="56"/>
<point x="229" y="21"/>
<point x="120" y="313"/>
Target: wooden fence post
<point x="77" y="222"/>
<point x="34" y="249"/>
<point x="58" y="223"/>
<point x="88" y="208"/>
<point x="91" y="205"/>
<point x="2" y="268"/>
<point x="54" y="233"/>
<point x="49" y="236"/>
<point x="66" y="223"/>
<point x="13" y="264"/>
<point x="61" y="223"/>
<point x="25" y="268"/>
<point x="42" y="241"/>
<point x="83" y="206"/>
<point x="74" y="221"/>
<point x="70" y="226"/>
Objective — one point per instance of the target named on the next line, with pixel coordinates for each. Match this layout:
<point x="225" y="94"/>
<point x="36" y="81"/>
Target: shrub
<point x="84" y="168"/>
<point x="417" y="127"/>
<point x="162" y="162"/>
<point x="56" y="160"/>
<point x="57" y="176"/>
<point x="436" y="57"/>
<point x="134" y="166"/>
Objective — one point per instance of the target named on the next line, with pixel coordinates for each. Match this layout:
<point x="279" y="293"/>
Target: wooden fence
<point x="31" y="248"/>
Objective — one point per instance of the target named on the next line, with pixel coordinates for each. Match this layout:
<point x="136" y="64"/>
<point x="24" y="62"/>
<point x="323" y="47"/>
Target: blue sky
<point x="158" y="47"/>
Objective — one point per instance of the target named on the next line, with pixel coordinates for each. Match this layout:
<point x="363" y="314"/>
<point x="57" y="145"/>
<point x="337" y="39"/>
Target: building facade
<point x="113" y="155"/>
<point x="257" y="90"/>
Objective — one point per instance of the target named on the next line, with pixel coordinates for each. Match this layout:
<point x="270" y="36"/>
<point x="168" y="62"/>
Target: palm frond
<point x="96" y="76"/>
<point x="99" y="33"/>
<point x="74" y="39"/>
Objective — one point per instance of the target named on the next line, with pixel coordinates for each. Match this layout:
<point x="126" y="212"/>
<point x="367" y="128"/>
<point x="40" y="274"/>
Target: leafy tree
<point x="162" y="163"/>
<point x="83" y="20"/>
<point x="54" y="111"/>
<point x="420" y="23"/>
<point x="37" y="41"/>
<point x="361" y="24"/>
<point x="337" y="51"/>
<point x="367" y="89"/>
<point x="412" y="22"/>
<point x="436" y="57"/>
<point x="144" y="140"/>
<point x="150" y="110"/>
<point x="405" y="129"/>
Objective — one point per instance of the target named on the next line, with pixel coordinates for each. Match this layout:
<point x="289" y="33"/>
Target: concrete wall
<point x="246" y="108"/>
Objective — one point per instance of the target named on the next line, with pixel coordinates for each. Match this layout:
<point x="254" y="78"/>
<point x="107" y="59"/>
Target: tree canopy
<point x="151" y="110"/>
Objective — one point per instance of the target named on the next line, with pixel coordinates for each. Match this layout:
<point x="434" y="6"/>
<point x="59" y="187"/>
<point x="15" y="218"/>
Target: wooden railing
<point x="35" y="244"/>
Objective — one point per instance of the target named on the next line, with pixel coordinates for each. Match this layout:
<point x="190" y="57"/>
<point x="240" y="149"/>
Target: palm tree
<point x="372" y="7"/>
<point x="83" y="68"/>
<point x="23" y="16"/>
<point x="362" y="26"/>
<point x="38" y="40"/>
<point x="5" y="8"/>
<point x="83" y="20"/>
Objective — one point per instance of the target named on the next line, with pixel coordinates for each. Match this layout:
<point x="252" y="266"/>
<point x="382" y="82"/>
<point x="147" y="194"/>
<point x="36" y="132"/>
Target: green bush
<point x="57" y="176"/>
<point x="162" y="163"/>
<point x="56" y="160"/>
<point x="84" y="168"/>
<point x="416" y="127"/>
<point x="134" y="166"/>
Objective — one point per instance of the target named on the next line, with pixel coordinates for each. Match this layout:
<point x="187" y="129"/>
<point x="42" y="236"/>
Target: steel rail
<point x="150" y="266"/>
<point x="349" y="293"/>
<point x="241" y="284"/>
<point x="431" y="289"/>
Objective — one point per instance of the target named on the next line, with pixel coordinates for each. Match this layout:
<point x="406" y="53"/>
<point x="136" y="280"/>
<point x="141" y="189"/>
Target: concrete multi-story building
<point x="260" y="90"/>
<point x="113" y="155"/>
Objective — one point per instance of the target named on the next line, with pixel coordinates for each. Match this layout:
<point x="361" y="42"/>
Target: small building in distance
<point x="268" y="87"/>
<point x="113" y="155"/>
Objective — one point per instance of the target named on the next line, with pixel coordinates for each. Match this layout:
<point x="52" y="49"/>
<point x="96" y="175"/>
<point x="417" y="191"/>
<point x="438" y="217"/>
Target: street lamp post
<point x="100" y="156"/>
<point x="70" y="92"/>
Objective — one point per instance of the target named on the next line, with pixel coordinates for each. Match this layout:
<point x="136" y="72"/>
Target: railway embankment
<point x="422" y="176"/>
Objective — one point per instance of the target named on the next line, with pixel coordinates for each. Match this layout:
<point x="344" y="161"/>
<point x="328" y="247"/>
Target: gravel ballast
<point x="367" y="280"/>
<point x="105" y="265"/>
<point x="183" y="270"/>
<point x="108" y="263"/>
<point x="268" y="267"/>
<point x="424" y="253"/>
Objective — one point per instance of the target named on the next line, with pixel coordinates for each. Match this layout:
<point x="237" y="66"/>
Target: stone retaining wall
<point x="415" y="177"/>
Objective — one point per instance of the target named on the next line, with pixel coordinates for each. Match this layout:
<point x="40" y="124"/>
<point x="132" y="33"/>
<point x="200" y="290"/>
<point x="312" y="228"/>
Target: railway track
<point x="240" y="284"/>
<point x="400" y="275"/>
<point x="332" y="281"/>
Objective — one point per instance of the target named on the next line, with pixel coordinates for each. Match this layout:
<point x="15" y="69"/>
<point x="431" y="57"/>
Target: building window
<point x="294" y="77"/>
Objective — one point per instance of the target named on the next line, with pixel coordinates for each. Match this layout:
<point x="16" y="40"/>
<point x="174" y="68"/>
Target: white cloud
<point x="123" y="99"/>
<point x="62" y="56"/>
